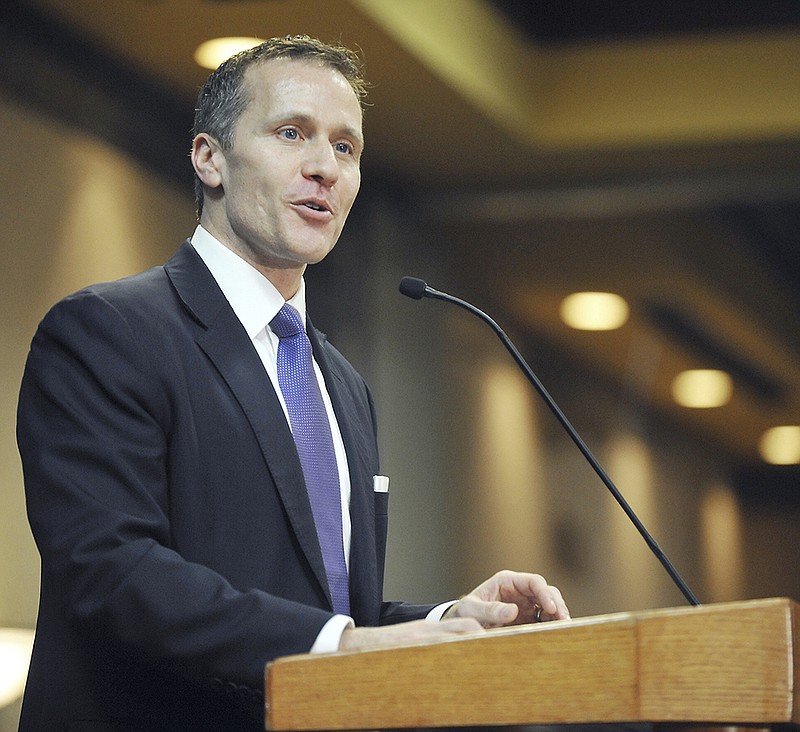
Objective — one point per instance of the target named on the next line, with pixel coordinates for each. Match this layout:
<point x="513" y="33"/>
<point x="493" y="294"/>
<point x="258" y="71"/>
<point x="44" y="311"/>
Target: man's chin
<point x="297" y="259"/>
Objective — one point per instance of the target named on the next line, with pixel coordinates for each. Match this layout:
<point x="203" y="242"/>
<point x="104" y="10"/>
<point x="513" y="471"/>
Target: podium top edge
<point x="623" y="617"/>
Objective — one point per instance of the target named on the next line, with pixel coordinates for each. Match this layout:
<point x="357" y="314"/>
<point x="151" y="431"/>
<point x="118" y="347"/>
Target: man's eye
<point x="344" y="147"/>
<point x="290" y="133"/>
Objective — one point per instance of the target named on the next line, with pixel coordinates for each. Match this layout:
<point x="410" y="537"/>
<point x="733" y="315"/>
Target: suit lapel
<point x="229" y="348"/>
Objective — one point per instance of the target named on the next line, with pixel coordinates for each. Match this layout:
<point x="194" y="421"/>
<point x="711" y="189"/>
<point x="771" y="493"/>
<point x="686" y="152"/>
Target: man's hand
<point x="410" y="632"/>
<point x="508" y="598"/>
<point x="511" y="598"/>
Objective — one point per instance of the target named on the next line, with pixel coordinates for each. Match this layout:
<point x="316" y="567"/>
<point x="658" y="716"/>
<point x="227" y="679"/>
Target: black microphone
<point x="417" y="289"/>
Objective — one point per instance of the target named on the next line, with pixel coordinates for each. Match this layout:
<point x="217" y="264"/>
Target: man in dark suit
<point x="165" y="488"/>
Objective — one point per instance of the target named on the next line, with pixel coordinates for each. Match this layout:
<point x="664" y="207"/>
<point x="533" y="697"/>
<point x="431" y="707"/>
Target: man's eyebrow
<point x="354" y="133"/>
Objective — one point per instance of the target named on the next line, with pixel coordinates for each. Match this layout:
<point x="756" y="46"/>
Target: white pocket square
<point x="380" y="483"/>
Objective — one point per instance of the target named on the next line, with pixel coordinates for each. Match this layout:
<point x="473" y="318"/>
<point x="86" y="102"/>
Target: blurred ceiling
<point x="647" y="148"/>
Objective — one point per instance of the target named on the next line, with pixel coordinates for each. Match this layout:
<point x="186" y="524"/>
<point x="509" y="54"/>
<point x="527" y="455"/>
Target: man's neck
<point x="286" y="280"/>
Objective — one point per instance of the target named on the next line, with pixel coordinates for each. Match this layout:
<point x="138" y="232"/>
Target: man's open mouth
<point x="314" y="206"/>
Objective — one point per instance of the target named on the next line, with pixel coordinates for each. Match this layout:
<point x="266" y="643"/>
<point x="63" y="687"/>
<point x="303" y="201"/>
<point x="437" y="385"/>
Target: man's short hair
<point x="223" y="97"/>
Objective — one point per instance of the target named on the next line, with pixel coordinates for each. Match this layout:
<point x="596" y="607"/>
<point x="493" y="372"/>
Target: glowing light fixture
<point x="702" y="388"/>
<point x="16" y="645"/>
<point x="212" y="53"/>
<point x="781" y="445"/>
<point x="594" y="310"/>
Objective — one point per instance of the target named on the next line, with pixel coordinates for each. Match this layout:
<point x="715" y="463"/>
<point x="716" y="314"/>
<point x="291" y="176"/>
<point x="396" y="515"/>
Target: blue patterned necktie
<point x="312" y="435"/>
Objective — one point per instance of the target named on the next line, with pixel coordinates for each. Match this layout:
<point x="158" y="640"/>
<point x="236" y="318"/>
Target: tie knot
<point x="287" y="322"/>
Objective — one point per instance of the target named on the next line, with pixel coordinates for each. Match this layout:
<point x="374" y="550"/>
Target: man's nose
<point x="321" y="163"/>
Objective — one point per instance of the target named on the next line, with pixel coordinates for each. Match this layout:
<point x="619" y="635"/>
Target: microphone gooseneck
<point x="417" y="289"/>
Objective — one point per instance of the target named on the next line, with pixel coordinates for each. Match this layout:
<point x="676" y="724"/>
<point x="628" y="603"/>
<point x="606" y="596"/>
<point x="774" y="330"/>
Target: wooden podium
<point x="725" y="664"/>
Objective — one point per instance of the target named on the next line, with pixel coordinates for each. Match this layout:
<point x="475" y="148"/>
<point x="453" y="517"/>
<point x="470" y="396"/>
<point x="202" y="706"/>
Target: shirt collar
<point x="254" y="299"/>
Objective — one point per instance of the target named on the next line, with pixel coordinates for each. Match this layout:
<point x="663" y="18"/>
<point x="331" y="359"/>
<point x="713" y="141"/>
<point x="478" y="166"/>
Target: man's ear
<point x="207" y="159"/>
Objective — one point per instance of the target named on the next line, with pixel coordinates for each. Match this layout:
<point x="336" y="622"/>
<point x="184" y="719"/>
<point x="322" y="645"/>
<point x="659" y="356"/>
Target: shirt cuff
<point x="331" y="634"/>
<point x="439" y="610"/>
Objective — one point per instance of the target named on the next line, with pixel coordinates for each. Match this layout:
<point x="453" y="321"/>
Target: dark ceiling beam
<point x="568" y="21"/>
<point x="51" y="69"/>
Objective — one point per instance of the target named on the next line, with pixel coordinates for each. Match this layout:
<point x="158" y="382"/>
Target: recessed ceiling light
<point x="702" y="388"/>
<point x="594" y="311"/>
<point x="212" y="53"/>
<point x="781" y="445"/>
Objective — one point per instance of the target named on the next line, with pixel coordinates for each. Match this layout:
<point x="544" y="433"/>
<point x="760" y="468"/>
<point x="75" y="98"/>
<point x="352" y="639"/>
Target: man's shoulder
<point x="143" y="290"/>
<point x="150" y="287"/>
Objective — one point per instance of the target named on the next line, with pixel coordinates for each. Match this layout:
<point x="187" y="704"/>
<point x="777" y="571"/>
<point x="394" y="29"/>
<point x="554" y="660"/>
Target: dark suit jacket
<point x="167" y="500"/>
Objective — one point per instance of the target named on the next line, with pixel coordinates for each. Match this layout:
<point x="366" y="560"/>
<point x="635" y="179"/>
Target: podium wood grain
<point x="730" y="663"/>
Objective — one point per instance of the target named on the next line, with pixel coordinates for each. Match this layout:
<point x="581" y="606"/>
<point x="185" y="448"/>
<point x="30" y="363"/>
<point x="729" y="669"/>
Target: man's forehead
<point x="272" y="76"/>
<point x="284" y="68"/>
